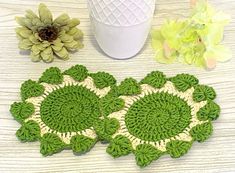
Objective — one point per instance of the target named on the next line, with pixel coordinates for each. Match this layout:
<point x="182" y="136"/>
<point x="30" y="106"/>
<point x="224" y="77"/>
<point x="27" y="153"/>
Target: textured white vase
<point x="121" y="27"/>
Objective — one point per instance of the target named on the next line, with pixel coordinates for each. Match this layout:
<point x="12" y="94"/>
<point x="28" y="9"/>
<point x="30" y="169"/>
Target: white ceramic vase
<point x="121" y="27"/>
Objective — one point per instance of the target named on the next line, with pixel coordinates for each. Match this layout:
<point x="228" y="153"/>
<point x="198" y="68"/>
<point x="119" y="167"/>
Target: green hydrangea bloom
<point x="45" y="37"/>
<point x="196" y="40"/>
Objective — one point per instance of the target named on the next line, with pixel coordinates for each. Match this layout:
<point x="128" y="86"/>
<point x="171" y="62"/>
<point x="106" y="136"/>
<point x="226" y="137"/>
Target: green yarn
<point x="202" y="132"/>
<point x="129" y="87"/>
<point x="78" y="72"/>
<point x="50" y="144"/>
<point x="203" y="93"/>
<point x="111" y="104"/>
<point x="66" y="111"/>
<point x="81" y="144"/>
<point x="106" y="128"/>
<point x="28" y="132"/>
<point x="102" y="79"/>
<point x="21" y="110"/>
<point x="52" y="76"/>
<point x="177" y="148"/>
<point x="184" y="81"/>
<point x="31" y="89"/>
<point x="210" y="111"/>
<point x="145" y="154"/>
<point x="119" y="146"/>
<point x="70" y="109"/>
<point x="156" y="79"/>
<point x="158" y="116"/>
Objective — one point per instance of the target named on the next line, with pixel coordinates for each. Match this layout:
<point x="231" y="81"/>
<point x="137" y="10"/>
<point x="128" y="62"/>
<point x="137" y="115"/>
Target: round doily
<point x="61" y="109"/>
<point x="159" y="115"/>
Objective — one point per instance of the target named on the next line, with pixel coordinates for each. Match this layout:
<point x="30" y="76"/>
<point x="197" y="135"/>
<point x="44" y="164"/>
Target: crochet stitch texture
<point x="160" y="115"/>
<point x="155" y="116"/>
<point x="61" y="109"/>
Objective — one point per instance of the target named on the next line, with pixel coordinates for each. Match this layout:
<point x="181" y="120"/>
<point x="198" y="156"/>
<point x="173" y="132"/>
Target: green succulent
<point x="46" y="37"/>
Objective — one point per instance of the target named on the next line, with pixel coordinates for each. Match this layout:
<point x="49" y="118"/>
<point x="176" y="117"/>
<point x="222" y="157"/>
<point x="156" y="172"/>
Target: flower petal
<point x="45" y="14"/>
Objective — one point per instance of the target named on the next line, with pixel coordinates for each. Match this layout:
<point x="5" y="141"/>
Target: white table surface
<point x="215" y="155"/>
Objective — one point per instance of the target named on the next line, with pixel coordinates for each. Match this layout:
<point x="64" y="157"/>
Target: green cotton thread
<point x="21" y="110"/>
<point x="210" y="111"/>
<point x="50" y="144"/>
<point x="145" y="154"/>
<point x="76" y="115"/>
<point x="106" y="128"/>
<point x="82" y="144"/>
<point x="156" y="79"/>
<point x="177" y="148"/>
<point x="78" y="72"/>
<point x="111" y="104"/>
<point x="119" y="146"/>
<point x="203" y="92"/>
<point x="202" y="132"/>
<point x="64" y="108"/>
<point x="29" y="132"/>
<point x="52" y="76"/>
<point x="103" y="79"/>
<point x="184" y="81"/>
<point x="158" y="116"/>
<point x="31" y="89"/>
<point x="70" y="109"/>
<point x="129" y="87"/>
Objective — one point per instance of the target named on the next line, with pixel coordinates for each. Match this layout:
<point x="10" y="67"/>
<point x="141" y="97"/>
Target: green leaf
<point x="156" y="79"/>
<point x="52" y="76"/>
<point x="210" y="111"/>
<point x="103" y="79"/>
<point x="29" y="132"/>
<point x="184" y="82"/>
<point x="202" y="132"/>
<point x="145" y="154"/>
<point x="203" y="93"/>
<point x="129" y="87"/>
<point x="119" y="146"/>
<point x="178" y="148"/>
<point x="50" y="144"/>
<point x="106" y="128"/>
<point x="31" y="89"/>
<point x="81" y="144"/>
<point x="78" y="72"/>
<point x="21" y="110"/>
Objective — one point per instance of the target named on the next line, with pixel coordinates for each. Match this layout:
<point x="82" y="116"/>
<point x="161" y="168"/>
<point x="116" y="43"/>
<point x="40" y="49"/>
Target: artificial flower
<point x="196" y="40"/>
<point x="45" y="37"/>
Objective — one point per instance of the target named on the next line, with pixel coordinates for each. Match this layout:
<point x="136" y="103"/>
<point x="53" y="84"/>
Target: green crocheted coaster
<point x="61" y="109"/>
<point x="158" y="115"/>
